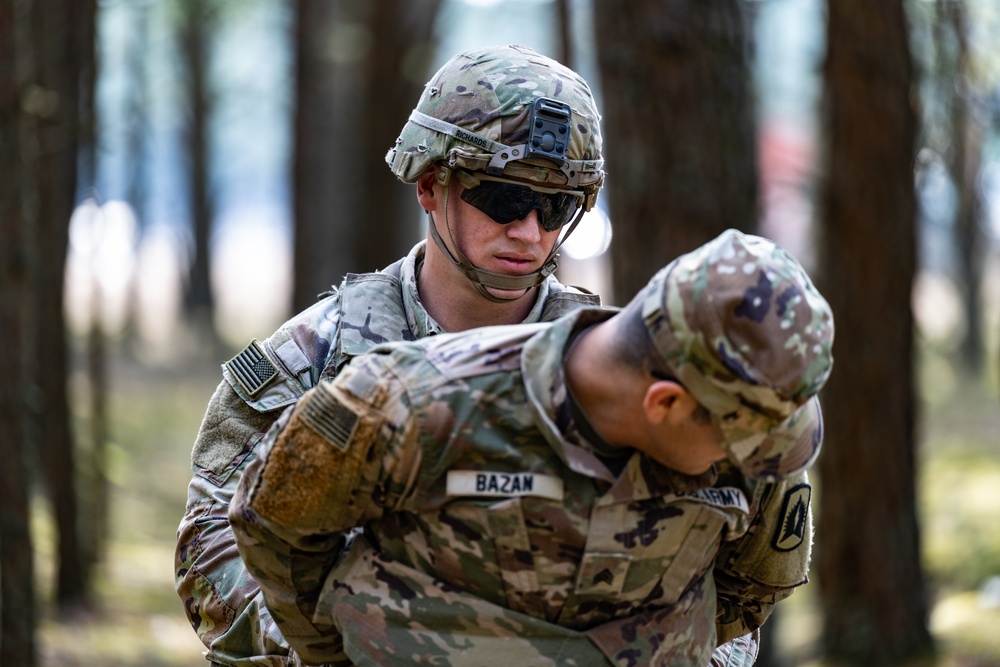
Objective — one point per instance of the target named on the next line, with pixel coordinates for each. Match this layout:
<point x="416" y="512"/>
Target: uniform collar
<point x="417" y="318"/>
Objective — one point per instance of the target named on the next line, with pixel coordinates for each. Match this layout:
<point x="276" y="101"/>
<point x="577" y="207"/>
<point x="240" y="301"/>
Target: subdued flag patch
<point x="331" y="419"/>
<point x="251" y="368"/>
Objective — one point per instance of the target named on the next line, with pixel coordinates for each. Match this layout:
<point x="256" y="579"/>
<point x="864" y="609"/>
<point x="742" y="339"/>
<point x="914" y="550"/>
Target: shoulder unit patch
<point x="791" y="530"/>
<point x="251" y="368"/>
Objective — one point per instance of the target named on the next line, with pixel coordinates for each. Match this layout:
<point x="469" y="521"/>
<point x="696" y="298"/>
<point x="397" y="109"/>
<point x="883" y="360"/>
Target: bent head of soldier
<point x="508" y="137"/>
<point x="738" y="326"/>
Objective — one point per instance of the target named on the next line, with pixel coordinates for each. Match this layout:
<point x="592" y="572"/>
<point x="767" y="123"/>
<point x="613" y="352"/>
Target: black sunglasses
<point x="506" y="201"/>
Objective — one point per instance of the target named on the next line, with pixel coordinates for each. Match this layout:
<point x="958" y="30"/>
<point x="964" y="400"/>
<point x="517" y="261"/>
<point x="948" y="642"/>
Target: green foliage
<point x="154" y="417"/>
<point x="959" y="508"/>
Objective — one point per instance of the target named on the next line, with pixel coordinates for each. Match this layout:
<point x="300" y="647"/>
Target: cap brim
<point x="787" y="448"/>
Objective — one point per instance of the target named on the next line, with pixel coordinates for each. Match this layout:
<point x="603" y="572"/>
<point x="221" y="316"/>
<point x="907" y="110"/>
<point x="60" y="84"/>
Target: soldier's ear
<point x="426" y="194"/>
<point x="663" y="401"/>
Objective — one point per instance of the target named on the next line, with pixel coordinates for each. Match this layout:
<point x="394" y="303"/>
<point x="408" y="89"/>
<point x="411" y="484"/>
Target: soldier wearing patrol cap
<point x="605" y="489"/>
<point x="504" y="148"/>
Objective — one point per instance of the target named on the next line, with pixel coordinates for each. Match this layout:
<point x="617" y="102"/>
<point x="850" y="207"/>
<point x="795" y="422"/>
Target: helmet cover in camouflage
<point x="478" y="106"/>
<point x="741" y="326"/>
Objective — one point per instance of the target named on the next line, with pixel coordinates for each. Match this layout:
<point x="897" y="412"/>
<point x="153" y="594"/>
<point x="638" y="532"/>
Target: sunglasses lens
<point x="506" y="202"/>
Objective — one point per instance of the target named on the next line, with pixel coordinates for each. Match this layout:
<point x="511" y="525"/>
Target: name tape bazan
<point x="503" y="484"/>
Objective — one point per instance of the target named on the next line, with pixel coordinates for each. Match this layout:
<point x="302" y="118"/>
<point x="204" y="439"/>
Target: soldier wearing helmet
<point x="504" y="148"/>
<point x="514" y="135"/>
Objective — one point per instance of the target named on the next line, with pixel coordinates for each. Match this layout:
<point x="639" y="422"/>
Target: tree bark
<point x="361" y="66"/>
<point x="679" y="130"/>
<point x="93" y="513"/>
<point x="52" y="156"/>
<point x="396" y="70"/>
<point x="965" y="164"/>
<point x="323" y="164"/>
<point x="17" y="598"/>
<point x="198" y="20"/>
<point x="871" y="586"/>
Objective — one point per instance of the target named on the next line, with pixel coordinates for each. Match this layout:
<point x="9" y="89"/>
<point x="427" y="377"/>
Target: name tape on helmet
<point x="438" y="125"/>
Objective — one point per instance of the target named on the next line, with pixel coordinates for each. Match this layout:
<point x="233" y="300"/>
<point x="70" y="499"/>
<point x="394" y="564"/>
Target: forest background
<point x="179" y="176"/>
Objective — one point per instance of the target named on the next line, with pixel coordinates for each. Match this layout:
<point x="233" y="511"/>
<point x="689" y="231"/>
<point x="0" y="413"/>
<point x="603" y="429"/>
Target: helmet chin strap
<point x="481" y="278"/>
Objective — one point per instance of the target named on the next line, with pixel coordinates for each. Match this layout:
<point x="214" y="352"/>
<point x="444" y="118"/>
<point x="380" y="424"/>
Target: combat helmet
<point x="505" y="113"/>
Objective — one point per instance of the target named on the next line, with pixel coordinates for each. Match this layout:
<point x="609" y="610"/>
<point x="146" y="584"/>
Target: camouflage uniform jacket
<point x="460" y="457"/>
<point x="222" y="601"/>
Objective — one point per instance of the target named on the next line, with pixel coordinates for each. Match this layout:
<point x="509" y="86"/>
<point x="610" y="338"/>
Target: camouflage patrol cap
<point x="474" y="113"/>
<point x="740" y="325"/>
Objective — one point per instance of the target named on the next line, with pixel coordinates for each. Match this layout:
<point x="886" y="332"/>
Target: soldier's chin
<point x="507" y="294"/>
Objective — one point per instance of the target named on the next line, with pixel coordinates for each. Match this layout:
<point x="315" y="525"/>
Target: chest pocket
<point x="639" y="559"/>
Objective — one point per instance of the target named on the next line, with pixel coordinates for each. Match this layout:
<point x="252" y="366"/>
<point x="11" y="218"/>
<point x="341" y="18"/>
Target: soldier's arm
<point x="222" y="601"/>
<point x="313" y="481"/>
<point x="765" y="566"/>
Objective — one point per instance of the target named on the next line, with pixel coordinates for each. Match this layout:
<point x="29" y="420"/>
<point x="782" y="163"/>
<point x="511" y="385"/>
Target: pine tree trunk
<point x="394" y="78"/>
<point x="679" y="129"/>
<point x="52" y="156"/>
<point x="361" y="66"/>
<point x="325" y="176"/>
<point x="198" y="22"/>
<point x="17" y="598"/>
<point x="867" y="551"/>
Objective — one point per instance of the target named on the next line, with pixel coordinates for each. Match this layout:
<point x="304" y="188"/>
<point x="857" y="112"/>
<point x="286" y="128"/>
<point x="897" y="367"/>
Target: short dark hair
<point x="634" y="348"/>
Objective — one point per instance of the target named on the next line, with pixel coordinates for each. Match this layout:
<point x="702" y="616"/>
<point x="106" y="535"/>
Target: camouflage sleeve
<point x="312" y="482"/>
<point x="765" y="566"/>
<point x="222" y="602"/>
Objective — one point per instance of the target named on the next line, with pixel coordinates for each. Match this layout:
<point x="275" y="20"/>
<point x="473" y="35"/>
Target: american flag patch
<point x="251" y="368"/>
<point x="332" y="420"/>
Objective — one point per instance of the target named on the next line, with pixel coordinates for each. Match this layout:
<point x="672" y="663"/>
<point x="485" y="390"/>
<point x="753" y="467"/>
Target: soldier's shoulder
<point x="272" y="373"/>
<point x="563" y="299"/>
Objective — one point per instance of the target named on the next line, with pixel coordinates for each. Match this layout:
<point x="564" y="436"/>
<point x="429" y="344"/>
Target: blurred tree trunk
<point x="965" y="162"/>
<point x="323" y="233"/>
<point x="564" y="22"/>
<point x="197" y="24"/>
<point x="361" y="65"/>
<point x="93" y="515"/>
<point x="871" y="586"/>
<point x="679" y="129"/>
<point x="396" y="70"/>
<point x="52" y="159"/>
<point x="17" y="591"/>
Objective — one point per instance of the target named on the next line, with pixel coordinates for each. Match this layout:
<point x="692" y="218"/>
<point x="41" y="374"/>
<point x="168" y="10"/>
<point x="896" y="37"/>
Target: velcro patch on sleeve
<point x="321" y="472"/>
<point x="251" y="368"/>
